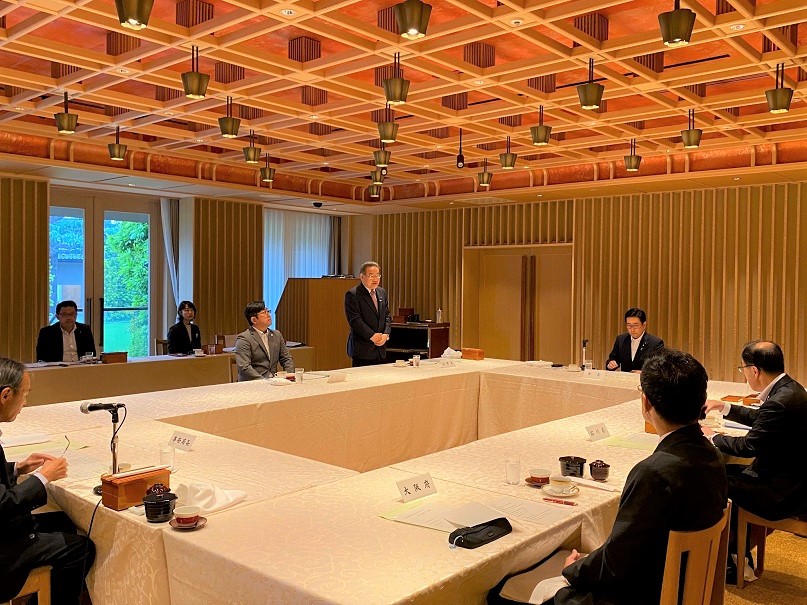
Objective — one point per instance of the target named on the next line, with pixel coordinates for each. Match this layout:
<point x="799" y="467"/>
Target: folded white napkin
<point x="207" y="496"/>
<point x="279" y="382"/>
<point x="450" y="353"/>
<point x="540" y="363"/>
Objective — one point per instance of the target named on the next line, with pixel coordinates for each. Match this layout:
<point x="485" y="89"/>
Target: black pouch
<point x="478" y="535"/>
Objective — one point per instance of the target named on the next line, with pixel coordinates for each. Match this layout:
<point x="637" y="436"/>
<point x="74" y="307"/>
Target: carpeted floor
<point x="785" y="579"/>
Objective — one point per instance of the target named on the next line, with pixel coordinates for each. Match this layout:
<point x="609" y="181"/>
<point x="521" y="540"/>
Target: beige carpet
<point x="785" y="579"/>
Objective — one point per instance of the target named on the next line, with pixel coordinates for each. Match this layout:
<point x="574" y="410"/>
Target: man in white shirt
<point x="258" y="350"/>
<point x="632" y="348"/>
<point x="68" y="340"/>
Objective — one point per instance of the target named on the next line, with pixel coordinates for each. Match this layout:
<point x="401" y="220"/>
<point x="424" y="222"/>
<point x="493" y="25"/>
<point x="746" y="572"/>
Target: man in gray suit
<point x="259" y="349"/>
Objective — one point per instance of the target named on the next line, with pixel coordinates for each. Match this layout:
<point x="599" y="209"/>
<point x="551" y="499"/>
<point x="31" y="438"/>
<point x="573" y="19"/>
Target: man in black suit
<point x="184" y="336"/>
<point x="773" y="486"/>
<point x="67" y="340"/>
<point x="632" y="348"/>
<point x="28" y="541"/>
<point x="367" y="312"/>
<point x="680" y="487"/>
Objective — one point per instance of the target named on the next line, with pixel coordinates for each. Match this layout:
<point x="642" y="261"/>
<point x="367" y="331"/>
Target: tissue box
<point x="115" y="357"/>
<point x="119" y="493"/>
<point x="476" y="354"/>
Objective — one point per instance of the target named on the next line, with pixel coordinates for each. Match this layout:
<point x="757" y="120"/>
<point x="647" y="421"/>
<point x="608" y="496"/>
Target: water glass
<point x="298" y="375"/>
<point x="512" y="471"/>
<point x="588" y="364"/>
<point x="167" y="455"/>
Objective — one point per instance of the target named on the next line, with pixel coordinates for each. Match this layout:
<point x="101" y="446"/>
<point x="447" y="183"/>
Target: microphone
<point x="88" y="407"/>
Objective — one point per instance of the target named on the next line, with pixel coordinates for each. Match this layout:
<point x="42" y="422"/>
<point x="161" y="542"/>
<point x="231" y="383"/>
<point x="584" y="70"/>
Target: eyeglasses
<point x="633" y="326"/>
<point x="66" y="315"/>
<point x="740" y="368"/>
<point x="639" y="388"/>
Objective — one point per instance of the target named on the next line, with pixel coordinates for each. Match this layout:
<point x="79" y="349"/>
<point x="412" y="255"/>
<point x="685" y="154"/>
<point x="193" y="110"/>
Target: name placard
<point x="416" y="487"/>
<point x="597" y="431"/>
<point x="182" y="441"/>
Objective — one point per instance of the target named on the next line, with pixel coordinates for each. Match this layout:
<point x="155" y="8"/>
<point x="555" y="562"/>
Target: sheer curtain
<point x="296" y="244"/>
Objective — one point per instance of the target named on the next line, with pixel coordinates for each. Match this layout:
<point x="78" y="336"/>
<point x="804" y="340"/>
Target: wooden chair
<point x="747" y="521"/>
<point x="38" y="583"/>
<point x="161" y="346"/>
<point x="705" y="573"/>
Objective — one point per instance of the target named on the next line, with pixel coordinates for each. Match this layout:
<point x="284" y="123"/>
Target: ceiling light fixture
<point x="288" y="12"/>
<point x="376" y="177"/>
<point x="375" y="191"/>
<point x="460" y="157"/>
<point x="540" y="134"/>
<point x="193" y="82"/>
<point x="228" y="124"/>
<point x="66" y="122"/>
<point x="388" y="129"/>
<point x="692" y="136"/>
<point x="779" y="98"/>
<point x="413" y="18"/>
<point x="479" y="82"/>
<point x="507" y="159"/>
<point x="381" y="158"/>
<point x="122" y="70"/>
<point x="632" y="161"/>
<point x="590" y="94"/>
<point x="313" y="116"/>
<point x="396" y="88"/>
<point x="252" y="154"/>
<point x="676" y="26"/>
<point x="134" y="14"/>
<point x="484" y="177"/>
<point x="267" y="173"/>
<point x="117" y="151"/>
<point x="737" y="27"/>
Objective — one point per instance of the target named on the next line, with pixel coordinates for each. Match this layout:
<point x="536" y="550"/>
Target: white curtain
<point x="296" y="244"/>
<point x="169" y="216"/>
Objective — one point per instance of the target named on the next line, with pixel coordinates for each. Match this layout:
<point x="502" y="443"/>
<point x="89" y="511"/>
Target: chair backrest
<point x="38" y="583"/>
<point x="704" y="574"/>
<point x="161" y="346"/>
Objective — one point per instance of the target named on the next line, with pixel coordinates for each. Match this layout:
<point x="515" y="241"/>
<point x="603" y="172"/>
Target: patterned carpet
<point x="785" y="579"/>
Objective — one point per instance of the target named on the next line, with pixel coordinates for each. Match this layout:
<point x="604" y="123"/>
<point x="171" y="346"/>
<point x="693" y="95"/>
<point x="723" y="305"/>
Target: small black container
<point x="160" y="507"/>
<point x="572" y="466"/>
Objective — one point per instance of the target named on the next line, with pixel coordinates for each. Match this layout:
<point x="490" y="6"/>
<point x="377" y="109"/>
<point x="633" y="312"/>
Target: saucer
<point x="199" y="524"/>
<point x="202" y="355"/>
<point x="547" y="489"/>
<point x="531" y="481"/>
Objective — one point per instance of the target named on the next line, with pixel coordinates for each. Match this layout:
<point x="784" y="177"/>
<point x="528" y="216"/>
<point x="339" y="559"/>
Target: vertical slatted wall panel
<point x="23" y="265"/>
<point x="420" y="253"/>
<point x="228" y="263"/>
<point x="713" y="269"/>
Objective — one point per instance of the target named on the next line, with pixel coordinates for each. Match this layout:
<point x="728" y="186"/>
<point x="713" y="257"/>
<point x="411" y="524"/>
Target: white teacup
<point x="561" y="484"/>
<point x="400" y="363"/>
<point x="187" y="516"/>
<point x="199" y="352"/>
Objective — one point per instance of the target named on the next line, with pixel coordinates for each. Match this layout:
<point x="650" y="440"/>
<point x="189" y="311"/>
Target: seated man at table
<point x="28" y="541"/>
<point x="67" y="340"/>
<point x="632" y="348"/>
<point x="773" y="486"/>
<point x="681" y="487"/>
<point x="259" y="349"/>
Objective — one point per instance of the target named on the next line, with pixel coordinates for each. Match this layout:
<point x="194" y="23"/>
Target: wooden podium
<point x="312" y="311"/>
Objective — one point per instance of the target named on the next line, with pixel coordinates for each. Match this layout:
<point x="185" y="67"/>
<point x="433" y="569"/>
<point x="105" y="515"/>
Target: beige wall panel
<point x="23" y="265"/>
<point x="713" y="269"/>
<point x="227" y="263"/>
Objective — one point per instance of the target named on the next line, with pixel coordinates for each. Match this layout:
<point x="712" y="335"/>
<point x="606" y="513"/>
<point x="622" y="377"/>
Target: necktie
<point x="375" y="299"/>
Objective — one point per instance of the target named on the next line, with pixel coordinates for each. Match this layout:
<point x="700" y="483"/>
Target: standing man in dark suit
<point x="680" y="487"/>
<point x="632" y="348"/>
<point x="28" y="541"/>
<point x="67" y="340"/>
<point x="773" y="486"/>
<point x="185" y="336"/>
<point x="259" y="349"/>
<point x="367" y="312"/>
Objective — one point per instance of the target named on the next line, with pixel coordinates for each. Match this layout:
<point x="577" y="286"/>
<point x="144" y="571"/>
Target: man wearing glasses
<point x="258" y="350"/>
<point x="67" y="340"/>
<point x="773" y="486"/>
<point x="632" y="348"/>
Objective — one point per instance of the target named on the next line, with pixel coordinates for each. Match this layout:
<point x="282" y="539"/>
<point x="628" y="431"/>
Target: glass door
<point x="102" y="256"/>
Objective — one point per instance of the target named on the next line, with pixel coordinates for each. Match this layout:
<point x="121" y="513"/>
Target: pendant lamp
<point x="676" y="26"/>
<point x="375" y="191"/>
<point x="484" y="177"/>
<point x="396" y="88"/>
<point x="117" y="151"/>
<point x="540" y="134"/>
<point x="460" y="157"/>
<point x="413" y="18"/>
<point x="376" y="177"/>
<point x="193" y="82"/>
<point x="388" y="129"/>
<point x="134" y="14"/>
<point x="632" y="161"/>
<point x="267" y="173"/>
<point x="66" y="122"/>
<point x="381" y="158"/>
<point x="252" y="154"/>
<point x="779" y="98"/>
<point x="228" y="124"/>
<point x="507" y="159"/>
<point x="692" y="136"/>
<point x="590" y="94"/>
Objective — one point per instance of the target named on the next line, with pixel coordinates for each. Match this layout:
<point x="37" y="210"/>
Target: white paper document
<point x="29" y="439"/>
<point x="424" y="514"/>
<point x="534" y="512"/>
<point x="472" y="514"/>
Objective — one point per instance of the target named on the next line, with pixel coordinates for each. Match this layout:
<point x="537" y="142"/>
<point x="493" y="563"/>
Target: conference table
<point x="309" y="529"/>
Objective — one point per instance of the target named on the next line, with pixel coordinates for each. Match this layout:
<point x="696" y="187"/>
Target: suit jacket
<point x="17" y="534"/>
<point x="365" y="321"/>
<point x="252" y="359"/>
<point x="621" y="351"/>
<point x="49" y="346"/>
<point x="178" y="340"/>
<point x="681" y="487"/>
<point x="774" y="485"/>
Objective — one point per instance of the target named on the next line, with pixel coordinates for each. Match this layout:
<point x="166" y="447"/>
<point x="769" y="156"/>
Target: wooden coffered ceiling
<point x="317" y="117"/>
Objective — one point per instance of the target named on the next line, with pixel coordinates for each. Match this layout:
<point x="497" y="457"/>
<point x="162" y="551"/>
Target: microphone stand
<point x="113" y="445"/>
